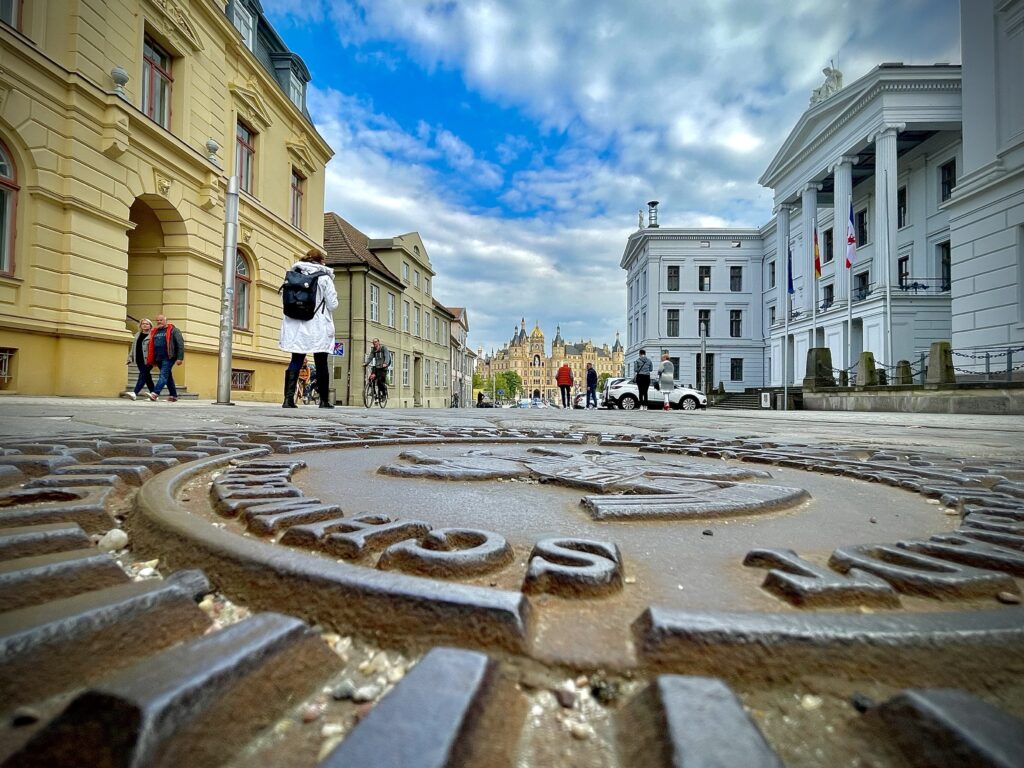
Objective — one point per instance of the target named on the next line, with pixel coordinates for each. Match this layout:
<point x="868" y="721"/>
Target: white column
<point x="809" y="219"/>
<point x="885" y="203"/>
<point x="843" y="176"/>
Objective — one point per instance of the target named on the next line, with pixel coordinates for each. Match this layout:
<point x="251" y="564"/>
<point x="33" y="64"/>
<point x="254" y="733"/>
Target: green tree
<point x="601" y="380"/>
<point x="479" y="382"/>
<point x="513" y="384"/>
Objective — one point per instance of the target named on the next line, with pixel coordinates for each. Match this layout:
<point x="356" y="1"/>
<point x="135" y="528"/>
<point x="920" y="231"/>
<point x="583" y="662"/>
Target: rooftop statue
<point x="833" y="82"/>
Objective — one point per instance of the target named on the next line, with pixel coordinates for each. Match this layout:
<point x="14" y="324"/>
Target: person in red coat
<point x="564" y="380"/>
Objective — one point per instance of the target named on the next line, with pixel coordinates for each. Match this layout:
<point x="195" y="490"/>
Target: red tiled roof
<point x="345" y="245"/>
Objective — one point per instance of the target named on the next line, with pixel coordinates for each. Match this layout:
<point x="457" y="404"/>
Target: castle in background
<point x="525" y="354"/>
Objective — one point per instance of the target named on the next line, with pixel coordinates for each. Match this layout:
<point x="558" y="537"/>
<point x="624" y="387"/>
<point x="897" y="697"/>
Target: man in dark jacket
<point x="165" y="348"/>
<point x="591" y="386"/>
<point x="642" y="368"/>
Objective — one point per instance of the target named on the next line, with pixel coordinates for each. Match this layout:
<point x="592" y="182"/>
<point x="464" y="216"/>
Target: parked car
<point x="622" y="393"/>
<point x="580" y="400"/>
<point x="527" y="402"/>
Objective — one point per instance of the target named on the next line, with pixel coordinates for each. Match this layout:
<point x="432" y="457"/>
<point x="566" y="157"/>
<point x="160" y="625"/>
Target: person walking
<point x="666" y="378"/>
<point x="165" y="348"/>
<point x="642" y="369"/>
<point x="564" y="380"/>
<point x="591" y="386"/>
<point x="137" y="355"/>
<point x="315" y="335"/>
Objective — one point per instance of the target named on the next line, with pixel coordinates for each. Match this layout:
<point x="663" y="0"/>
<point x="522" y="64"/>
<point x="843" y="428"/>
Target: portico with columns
<point x="889" y="144"/>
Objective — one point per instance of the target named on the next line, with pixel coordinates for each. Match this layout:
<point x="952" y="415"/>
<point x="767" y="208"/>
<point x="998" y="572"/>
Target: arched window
<point x="8" y="206"/>
<point x="243" y="286"/>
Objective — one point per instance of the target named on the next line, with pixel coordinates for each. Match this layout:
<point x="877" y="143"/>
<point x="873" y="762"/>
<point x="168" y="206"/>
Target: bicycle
<point x="372" y="395"/>
<point x="310" y="395"/>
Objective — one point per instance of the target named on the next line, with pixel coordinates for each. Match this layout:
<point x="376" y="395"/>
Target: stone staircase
<point x="751" y="398"/>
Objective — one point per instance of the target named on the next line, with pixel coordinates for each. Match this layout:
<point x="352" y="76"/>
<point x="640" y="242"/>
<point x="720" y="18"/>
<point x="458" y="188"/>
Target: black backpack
<point x="298" y="293"/>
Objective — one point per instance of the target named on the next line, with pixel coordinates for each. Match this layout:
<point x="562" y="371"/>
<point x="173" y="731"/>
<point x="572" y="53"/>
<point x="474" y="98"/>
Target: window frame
<point x="672" y="278"/>
<point x="771" y="274"/>
<point x="903" y="271"/>
<point x="154" y="72"/>
<point x="828" y="295"/>
<point x="861" y="227"/>
<point x="245" y="151"/>
<point x="391" y="309"/>
<point x="735" y="363"/>
<point x="241" y="298"/>
<point x="374" y="303"/>
<point x="771" y="315"/>
<point x="828" y="241"/>
<point x="902" y="206"/>
<point x="406" y="362"/>
<point x="17" y="12"/>
<point x="248" y="35"/>
<point x="672" y="323"/>
<point x="701" y="315"/>
<point x="406" y="306"/>
<point x="947" y="182"/>
<point x="298" y="193"/>
<point x="736" y="323"/>
<point x="736" y="279"/>
<point x="944" y="252"/>
<point x="9" y="185"/>
<point x="704" y="278"/>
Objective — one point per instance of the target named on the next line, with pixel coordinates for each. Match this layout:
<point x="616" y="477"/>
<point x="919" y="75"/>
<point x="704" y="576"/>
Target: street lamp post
<point x="227" y="292"/>
<point x="704" y="355"/>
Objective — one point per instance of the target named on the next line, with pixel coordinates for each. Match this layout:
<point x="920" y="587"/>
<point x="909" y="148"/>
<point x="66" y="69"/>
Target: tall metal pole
<point x="814" y="283"/>
<point x="888" y="279"/>
<point x="785" y="336"/>
<point x="227" y="292"/>
<point x="704" y="356"/>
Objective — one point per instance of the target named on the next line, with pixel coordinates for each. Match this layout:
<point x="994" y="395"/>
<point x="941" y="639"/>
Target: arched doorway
<point x="159" y="232"/>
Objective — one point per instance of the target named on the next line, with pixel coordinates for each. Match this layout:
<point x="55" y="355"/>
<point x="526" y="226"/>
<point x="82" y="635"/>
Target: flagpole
<point x="814" y="288"/>
<point x="785" y="336"/>
<point x="849" y="287"/>
<point x="888" y="279"/>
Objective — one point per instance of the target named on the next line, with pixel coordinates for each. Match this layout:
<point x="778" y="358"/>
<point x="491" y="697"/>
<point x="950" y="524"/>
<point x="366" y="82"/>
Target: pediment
<point x="179" y="25"/>
<point x="251" y="105"/>
<point x="301" y="156"/>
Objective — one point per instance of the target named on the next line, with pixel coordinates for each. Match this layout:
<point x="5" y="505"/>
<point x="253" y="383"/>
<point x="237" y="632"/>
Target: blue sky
<point x="520" y="138"/>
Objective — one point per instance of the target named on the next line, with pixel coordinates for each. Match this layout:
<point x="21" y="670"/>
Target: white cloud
<point x="683" y="102"/>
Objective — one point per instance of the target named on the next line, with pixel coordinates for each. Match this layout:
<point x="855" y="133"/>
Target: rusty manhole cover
<point x="636" y="598"/>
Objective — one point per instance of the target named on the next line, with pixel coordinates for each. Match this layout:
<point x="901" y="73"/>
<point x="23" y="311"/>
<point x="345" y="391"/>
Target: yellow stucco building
<point x="120" y="122"/>
<point x="525" y="355"/>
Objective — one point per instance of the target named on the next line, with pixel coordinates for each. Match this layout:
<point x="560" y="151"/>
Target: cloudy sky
<point x="519" y="138"/>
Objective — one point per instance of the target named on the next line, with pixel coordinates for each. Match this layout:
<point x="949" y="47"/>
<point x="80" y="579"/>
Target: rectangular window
<point x="736" y="369"/>
<point x="405" y="370"/>
<point x="437" y="330"/>
<point x="416" y="278"/>
<point x="945" y="265"/>
<point x="673" y="278"/>
<point x="771" y="274"/>
<point x="947" y="180"/>
<point x="771" y="316"/>
<point x="426" y="324"/>
<point x="298" y="183"/>
<point x="245" y="156"/>
<point x="703" y="322"/>
<point x="861" y="286"/>
<point x="735" y="279"/>
<point x="672" y="328"/>
<point x="10" y="13"/>
<point x="426" y="285"/>
<point x="903" y="271"/>
<point x="243" y="21"/>
<point x="426" y="374"/>
<point x="156" y="83"/>
<point x="405" y="316"/>
<point x="437" y="373"/>
<point x="391" y="310"/>
<point x="295" y="89"/>
<point x="676" y="369"/>
<point x="735" y="323"/>
<point x="405" y="271"/>
<point x="901" y="208"/>
<point x="416" y="320"/>
<point x="828" y="245"/>
<point x="6" y="366"/>
<point x="828" y="296"/>
<point x="703" y="278"/>
<point x="241" y="379"/>
<point x="374" y="303"/>
<point x="860" y="224"/>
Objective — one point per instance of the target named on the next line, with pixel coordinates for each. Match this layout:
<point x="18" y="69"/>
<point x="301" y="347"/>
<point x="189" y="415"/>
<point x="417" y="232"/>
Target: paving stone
<point x="10" y="475"/>
<point x="54" y="646"/>
<point x="35" y="465"/>
<point x="696" y="722"/>
<point x="181" y="707"/>
<point x="440" y="704"/>
<point x="951" y="728"/>
<point x="36" y="579"/>
<point x="33" y="540"/>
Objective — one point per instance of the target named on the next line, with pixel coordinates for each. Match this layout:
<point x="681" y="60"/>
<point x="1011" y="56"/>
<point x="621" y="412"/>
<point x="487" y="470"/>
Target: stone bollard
<point x="867" y="376"/>
<point x="883" y="377"/>
<point x="903" y="375"/>
<point x="819" y="369"/>
<point x="940" y="364"/>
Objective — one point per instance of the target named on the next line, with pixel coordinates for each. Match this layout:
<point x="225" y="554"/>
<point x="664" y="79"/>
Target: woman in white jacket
<point x="316" y="335"/>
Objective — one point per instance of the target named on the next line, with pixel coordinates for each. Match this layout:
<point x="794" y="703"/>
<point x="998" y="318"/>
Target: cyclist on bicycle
<point x="379" y="360"/>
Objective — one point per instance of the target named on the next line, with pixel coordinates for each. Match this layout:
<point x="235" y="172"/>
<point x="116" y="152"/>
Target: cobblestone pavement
<point x="232" y="585"/>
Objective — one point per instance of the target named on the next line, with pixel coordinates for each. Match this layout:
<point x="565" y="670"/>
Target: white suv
<point x="622" y="393"/>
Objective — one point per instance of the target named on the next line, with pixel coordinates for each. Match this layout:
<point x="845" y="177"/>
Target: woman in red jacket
<point x="564" y="380"/>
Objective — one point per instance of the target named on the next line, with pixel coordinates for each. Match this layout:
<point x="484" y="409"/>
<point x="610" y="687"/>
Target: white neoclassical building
<point x="916" y="172"/>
